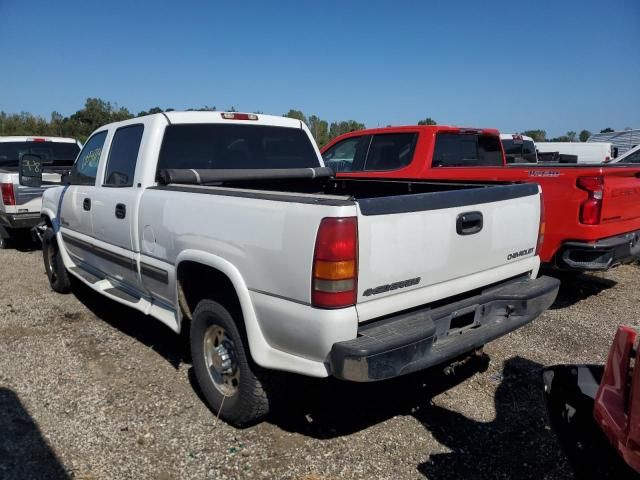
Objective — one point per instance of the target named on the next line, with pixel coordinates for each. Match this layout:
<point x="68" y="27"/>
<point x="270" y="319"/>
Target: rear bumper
<point x="420" y="339"/>
<point x="600" y="255"/>
<point x="19" y="220"/>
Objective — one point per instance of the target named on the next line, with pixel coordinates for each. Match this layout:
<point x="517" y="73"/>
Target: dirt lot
<point x="93" y="390"/>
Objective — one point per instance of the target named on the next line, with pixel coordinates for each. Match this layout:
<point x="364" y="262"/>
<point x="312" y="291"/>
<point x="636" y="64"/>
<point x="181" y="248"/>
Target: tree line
<point x="97" y="112"/>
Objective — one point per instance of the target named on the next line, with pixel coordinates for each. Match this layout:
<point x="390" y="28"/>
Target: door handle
<point x="121" y="210"/>
<point x="469" y="223"/>
<point x="86" y="204"/>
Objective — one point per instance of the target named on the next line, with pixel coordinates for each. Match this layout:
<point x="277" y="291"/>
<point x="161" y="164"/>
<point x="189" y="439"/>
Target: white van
<point x="596" y="152"/>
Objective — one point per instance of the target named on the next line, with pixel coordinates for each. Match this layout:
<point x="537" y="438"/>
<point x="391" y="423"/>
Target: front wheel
<point x="225" y="373"/>
<point x="56" y="272"/>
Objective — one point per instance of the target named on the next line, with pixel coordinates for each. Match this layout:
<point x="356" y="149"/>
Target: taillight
<point x="239" y="116"/>
<point x="8" y="195"/>
<point x="335" y="263"/>
<point x="543" y="225"/>
<point x="591" y="208"/>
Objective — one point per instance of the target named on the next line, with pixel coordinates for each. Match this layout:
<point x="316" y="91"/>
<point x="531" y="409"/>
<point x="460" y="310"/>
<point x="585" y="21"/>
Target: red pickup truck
<point x="592" y="211"/>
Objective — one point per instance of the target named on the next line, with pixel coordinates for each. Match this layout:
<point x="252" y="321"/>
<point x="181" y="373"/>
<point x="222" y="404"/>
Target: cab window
<point x="123" y="156"/>
<point x="344" y="155"/>
<point x="390" y="151"/>
<point x="467" y="150"/>
<point x="86" y="166"/>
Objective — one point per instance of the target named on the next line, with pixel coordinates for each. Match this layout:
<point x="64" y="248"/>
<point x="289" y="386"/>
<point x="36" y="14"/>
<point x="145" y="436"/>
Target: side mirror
<point x="30" y="170"/>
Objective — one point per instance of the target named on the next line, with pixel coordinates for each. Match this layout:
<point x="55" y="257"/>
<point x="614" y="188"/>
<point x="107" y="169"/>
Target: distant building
<point x="623" y="140"/>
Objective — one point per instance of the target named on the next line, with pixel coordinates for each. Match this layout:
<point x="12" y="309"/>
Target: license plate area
<point x="458" y="322"/>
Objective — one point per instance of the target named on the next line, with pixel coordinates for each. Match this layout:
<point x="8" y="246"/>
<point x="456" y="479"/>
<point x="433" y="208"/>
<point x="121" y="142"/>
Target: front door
<point x="76" y="223"/>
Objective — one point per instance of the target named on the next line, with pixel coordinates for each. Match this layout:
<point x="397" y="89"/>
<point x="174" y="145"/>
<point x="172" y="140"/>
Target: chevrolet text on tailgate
<point x="230" y="221"/>
<point x="592" y="211"/>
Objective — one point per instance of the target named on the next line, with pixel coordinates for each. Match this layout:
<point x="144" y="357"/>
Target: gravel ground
<point x="93" y="390"/>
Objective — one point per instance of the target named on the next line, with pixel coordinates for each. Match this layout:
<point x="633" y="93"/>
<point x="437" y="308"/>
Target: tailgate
<point x="424" y="247"/>
<point x="621" y="194"/>
<point x="29" y="199"/>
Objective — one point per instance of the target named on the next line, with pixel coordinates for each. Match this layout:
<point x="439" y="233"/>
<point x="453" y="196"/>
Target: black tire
<point x="54" y="267"/>
<point x="5" y="243"/>
<point x="249" y="402"/>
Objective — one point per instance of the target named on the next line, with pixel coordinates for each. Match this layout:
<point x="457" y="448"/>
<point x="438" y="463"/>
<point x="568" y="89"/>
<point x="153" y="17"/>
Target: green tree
<point x="319" y="129"/>
<point x="571" y="136"/>
<point x="537" y="135"/>
<point x="427" y="121"/>
<point x="584" y="135"/>
<point x="340" y="128"/>
<point x="297" y="114"/>
<point x="607" y="130"/>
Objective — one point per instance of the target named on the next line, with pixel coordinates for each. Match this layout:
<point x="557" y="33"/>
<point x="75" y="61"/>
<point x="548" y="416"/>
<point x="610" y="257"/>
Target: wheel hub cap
<point x="220" y="359"/>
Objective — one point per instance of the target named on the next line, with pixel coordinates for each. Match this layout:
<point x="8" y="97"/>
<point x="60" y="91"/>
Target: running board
<point x="115" y="292"/>
<point x="122" y="295"/>
<point x="86" y="275"/>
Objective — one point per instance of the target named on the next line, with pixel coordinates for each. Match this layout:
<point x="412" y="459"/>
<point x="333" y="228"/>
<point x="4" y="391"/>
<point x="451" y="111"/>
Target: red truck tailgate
<point x="621" y="194"/>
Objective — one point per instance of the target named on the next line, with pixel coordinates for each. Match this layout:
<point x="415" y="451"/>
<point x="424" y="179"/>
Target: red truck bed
<point x="592" y="211"/>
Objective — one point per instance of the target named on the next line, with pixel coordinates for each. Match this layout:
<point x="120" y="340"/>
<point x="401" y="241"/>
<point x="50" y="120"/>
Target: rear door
<point x="414" y="249"/>
<point x="115" y="207"/>
<point x="77" y="201"/>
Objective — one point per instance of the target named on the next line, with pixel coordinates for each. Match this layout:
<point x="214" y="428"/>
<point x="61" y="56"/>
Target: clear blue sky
<point x="515" y="65"/>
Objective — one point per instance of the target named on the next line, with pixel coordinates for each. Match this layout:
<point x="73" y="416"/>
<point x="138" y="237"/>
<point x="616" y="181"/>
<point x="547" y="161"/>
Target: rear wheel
<point x="226" y="375"/>
<point x="56" y="272"/>
<point x="5" y="243"/>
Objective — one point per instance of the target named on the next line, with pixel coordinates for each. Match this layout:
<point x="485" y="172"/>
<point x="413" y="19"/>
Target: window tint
<point x="123" y="155"/>
<point x="342" y="155"/>
<point x="390" y="151"/>
<point x="523" y="151"/>
<point x="86" y="166"/>
<point x="219" y="146"/>
<point x="466" y="150"/>
<point x="55" y="154"/>
<point x="632" y="157"/>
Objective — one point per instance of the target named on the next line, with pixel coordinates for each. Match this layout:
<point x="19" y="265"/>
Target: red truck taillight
<point x="8" y="195"/>
<point x="591" y="208"/>
<point x="334" y="280"/>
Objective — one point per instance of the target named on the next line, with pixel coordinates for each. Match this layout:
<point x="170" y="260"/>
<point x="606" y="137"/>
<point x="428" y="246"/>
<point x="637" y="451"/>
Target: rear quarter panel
<point x="271" y="243"/>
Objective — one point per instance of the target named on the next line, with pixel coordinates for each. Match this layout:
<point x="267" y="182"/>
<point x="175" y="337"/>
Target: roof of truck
<point x="36" y="138"/>
<point x="427" y="129"/>
<point x="511" y="136"/>
<point x="219" y="117"/>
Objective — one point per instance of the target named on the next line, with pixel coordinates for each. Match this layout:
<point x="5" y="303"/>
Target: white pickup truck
<point x="231" y="221"/>
<point x="20" y="205"/>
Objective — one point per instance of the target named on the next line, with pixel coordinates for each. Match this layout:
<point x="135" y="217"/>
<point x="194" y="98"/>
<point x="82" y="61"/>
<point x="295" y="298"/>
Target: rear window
<point x="54" y="154"/>
<point x="467" y="150"/>
<point x="219" y="146"/>
<point x="522" y="151"/>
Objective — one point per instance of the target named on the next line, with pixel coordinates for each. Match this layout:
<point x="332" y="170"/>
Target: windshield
<point x="55" y="154"/>
<point x="219" y="146"/>
<point x="522" y="151"/>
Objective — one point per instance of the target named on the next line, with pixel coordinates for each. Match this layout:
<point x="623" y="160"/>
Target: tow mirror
<point x="30" y="170"/>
